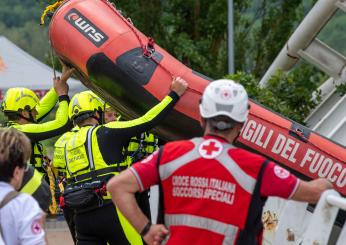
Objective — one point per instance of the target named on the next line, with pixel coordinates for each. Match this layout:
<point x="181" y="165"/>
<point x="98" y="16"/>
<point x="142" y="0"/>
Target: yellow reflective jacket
<point x="97" y="151"/>
<point x="94" y="152"/>
<point x="140" y="147"/>
<point x="42" y="131"/>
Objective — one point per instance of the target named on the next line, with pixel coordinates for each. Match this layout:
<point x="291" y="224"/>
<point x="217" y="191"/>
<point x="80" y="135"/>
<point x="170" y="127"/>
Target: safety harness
<point x="93" y="174"/>
<point x="84" y="195"/>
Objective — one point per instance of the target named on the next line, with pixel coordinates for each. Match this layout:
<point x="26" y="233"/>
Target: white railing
<point x="296" y="225"/>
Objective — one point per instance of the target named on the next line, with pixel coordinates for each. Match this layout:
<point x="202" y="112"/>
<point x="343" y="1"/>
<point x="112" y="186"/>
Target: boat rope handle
<point x="50" y="8"/>
<point x="147" y="49"/>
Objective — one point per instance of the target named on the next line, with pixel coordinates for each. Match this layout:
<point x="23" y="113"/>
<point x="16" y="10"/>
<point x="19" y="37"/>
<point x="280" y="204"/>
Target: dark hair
<point x="221" y="123"/>
<point x="12" y="116"/>
<point x="15" y="151"/>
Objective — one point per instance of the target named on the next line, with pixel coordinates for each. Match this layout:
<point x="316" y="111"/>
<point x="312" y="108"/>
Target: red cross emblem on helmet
<point x="226" y="94"/>
<point x="210" y="149"/>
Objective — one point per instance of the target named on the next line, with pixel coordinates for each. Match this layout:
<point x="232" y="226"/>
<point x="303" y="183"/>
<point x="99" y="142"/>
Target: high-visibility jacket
<point x="37" y="132"/>
<point x="35" y="185"/>
<point x="79" y="153"/>
<point x="59" y="160"/>
<point x="94" y="152"/>
<point x="104" y="144"/>
<point x="211" y="197"/>
<point x="140" y="147"/>
<point x="42" y="131"/>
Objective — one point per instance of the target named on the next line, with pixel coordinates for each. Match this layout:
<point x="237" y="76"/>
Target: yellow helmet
<point x="105" y="105"/>
<point x="17" y="99"/>
<point x="84" y="103"/>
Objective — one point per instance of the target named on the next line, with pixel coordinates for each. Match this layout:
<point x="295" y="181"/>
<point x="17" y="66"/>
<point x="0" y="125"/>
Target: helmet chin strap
<point x="29" y="119"/>
<point x="100" y="119"/>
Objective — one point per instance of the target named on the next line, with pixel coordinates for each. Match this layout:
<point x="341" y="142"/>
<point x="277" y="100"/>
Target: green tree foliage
<point x="20" y="22"/>
<point x="15" y="13"/>
<point x="195" y="31"/>
<point x="278" y="21"/>
<point x="289" y="95"/>
<point x="334" y="33"/>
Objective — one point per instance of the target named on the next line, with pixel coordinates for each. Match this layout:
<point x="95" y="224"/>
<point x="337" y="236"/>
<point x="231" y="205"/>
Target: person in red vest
<point x="213" y="192"/>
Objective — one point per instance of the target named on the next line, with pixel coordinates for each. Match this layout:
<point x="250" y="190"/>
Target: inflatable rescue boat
<point x="132" y="73"/>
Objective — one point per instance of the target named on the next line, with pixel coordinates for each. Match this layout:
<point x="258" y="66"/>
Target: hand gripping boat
<point x="132" y="73"/>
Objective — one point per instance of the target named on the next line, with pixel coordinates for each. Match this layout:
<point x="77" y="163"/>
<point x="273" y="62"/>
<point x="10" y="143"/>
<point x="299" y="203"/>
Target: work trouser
<point x="69" y="215"/>
<point x="104" y="225"/>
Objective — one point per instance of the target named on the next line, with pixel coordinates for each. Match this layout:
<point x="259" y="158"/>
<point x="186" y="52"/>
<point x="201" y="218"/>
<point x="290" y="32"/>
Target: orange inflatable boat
<point x="133" y="73"/>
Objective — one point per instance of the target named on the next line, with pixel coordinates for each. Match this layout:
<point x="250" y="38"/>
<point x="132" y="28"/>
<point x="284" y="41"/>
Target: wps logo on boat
<point x="86" y="27"/>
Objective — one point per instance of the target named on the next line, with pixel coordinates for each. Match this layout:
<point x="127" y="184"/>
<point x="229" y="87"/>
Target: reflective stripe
<point x="90" y="153"/>
<point x="33" y="184"/>
<point x="229" y="231"/>
<point x="139" y="181"/>
<point x="66" y="160"/>
<point x="294" y="189"/>
<point x="246" y="181"/>
<point x="89" y="175"/>
<point x="169" y="168"/>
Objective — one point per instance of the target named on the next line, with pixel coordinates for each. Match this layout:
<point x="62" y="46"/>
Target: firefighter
<point x="92" y="154"/>
<point x="137" y="148"/>
<point x="59" y="164"/>
<point x="213" y="192"/>
<point x="24" y="111"/>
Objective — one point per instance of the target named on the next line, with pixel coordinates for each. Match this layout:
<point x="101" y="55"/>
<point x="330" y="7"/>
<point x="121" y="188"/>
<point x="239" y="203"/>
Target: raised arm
<point x="153" y="116"/>
<point x="37" y="132"/>
<point x="48" y="102"/>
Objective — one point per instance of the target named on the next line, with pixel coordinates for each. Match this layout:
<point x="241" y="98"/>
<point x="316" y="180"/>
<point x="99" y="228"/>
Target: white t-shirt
<point x="1" y="241"/>
<point x="20" y="219"/>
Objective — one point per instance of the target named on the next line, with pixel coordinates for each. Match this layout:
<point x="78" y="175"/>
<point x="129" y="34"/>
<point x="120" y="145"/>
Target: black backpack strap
<point x="254" y="226"/>
<point x="160" y="212"/>
<point x="32" y="157"/>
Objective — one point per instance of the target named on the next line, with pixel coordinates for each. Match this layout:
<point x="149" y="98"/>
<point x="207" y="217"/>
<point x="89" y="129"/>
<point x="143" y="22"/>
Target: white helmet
<point x="225" y="97"/>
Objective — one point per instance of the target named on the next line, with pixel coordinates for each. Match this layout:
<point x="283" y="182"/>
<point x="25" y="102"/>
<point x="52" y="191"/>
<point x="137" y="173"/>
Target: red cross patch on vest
<point x="210" y="148"/>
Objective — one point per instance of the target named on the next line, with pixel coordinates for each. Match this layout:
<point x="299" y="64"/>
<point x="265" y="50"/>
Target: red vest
<point x="209" y="187"/>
